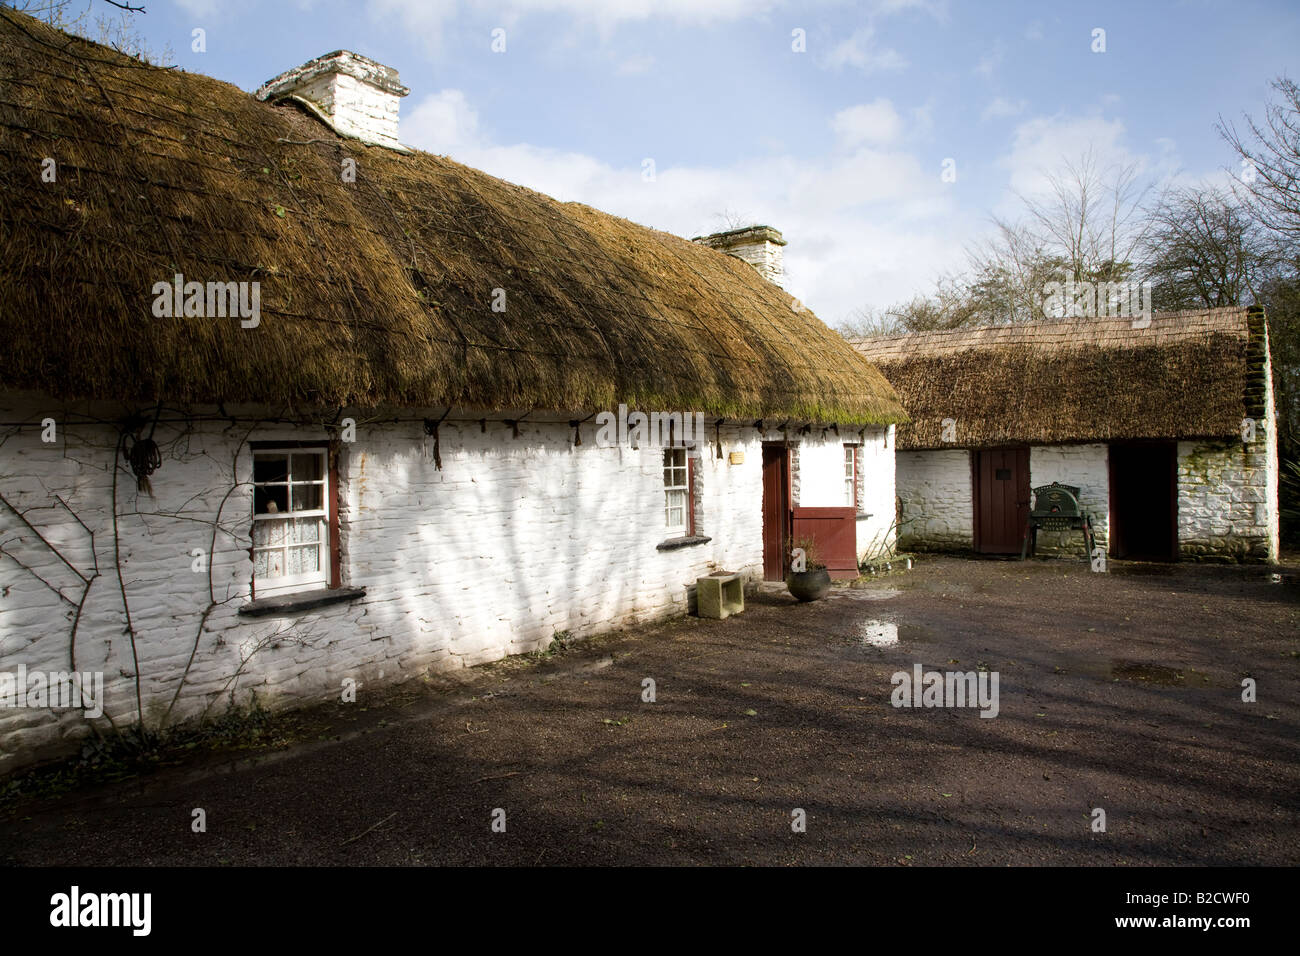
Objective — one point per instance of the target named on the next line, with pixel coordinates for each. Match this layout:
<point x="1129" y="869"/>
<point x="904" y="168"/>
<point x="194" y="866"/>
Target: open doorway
<point x="1144" y="501"/>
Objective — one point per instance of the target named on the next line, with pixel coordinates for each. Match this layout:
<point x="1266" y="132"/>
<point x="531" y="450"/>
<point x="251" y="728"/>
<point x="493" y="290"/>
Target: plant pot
<point x="809" y="585"/>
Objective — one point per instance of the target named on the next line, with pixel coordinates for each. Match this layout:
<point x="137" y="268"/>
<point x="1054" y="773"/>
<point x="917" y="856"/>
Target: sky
<point x="832" y="121"/>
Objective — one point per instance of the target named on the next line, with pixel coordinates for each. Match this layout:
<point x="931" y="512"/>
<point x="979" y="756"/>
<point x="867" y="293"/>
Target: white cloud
<point x="1001" y="108"/>
<point x="443" y="122"/>
<point x="632" y="65"/>
<point x="990" y="61"/>
<point x="874" y="122"/>
<point x="868" y="225"/>
<point x="431" y="15"/>
<point x="859" y="50"/>
<point x="1043" y="144"/>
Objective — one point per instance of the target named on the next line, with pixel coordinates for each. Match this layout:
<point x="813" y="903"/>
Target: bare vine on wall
<point x="138" y="456"/>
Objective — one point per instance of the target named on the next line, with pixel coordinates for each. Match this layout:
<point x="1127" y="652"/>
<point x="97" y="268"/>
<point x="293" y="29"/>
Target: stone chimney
<point x="353" y="94"/>
<point x="760" y="246"/>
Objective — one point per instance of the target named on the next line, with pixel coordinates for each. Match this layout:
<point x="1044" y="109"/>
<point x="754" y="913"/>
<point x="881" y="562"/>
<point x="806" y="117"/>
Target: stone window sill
<point x="300" y="601"/>
<point x="689" y="541"/>
<point x="862" y="515"/>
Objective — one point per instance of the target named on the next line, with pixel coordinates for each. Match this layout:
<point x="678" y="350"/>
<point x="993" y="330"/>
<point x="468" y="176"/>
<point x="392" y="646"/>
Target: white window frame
<point x="670" y="467"/>
<point x="851" y="474"/>
<point x="289" y="583"/>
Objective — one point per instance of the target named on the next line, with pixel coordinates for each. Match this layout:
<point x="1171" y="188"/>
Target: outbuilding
<point x="1167" y="425"/>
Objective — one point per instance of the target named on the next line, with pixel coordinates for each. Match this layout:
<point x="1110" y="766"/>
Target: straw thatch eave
<point x="378" y="291"/>
<point x="1188" y="375"/>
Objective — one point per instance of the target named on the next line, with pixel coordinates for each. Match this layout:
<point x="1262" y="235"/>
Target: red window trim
<point x="690" y="494"/>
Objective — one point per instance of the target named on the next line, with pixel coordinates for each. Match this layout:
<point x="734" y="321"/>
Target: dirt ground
<point x="1119" y="691"/>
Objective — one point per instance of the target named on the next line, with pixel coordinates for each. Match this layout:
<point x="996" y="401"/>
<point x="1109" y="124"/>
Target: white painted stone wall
<point x="935" y="500"/>
<point x="767" y="257"/>
<point x="877" y="502"/>
<point x="819" y="472"/>
<point x="511" y="542"/>
<point x="364" y="111"/>
<point x="1227" y="500"/>
<point x="1087" y="467"/>
<point x="358" y="96"/>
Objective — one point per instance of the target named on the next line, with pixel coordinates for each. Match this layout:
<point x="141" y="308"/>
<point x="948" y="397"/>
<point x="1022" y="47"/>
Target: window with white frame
<point x="291" y="546"/>
<point x="851" y="475"/>
<point x="677" y="492"/>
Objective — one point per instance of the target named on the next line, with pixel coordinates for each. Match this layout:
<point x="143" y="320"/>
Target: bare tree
<point x="1091" y="218"/>
<point x="116" y="29"/>
<point x="1204" y="249"/>
<point x="1270" y="158"/>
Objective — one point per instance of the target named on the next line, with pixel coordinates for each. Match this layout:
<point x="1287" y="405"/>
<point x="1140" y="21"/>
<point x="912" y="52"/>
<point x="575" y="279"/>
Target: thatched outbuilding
<point x="287" y="403"/>
<point x="1167" y="425"/>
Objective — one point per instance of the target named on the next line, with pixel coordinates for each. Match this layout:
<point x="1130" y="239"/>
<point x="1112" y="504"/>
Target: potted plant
<point x="813" y="581"/>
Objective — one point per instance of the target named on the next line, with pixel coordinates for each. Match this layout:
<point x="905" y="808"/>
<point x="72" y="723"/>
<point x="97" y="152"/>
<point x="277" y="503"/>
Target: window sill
<point x="689" y="541"/>
<point x="300" y="601"/>
<point x="862" y="515"/>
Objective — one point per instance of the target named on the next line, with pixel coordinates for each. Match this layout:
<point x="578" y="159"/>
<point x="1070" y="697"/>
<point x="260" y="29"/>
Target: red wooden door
<point x="835" y="533"/>
<point x="776" y="511"/>
<point x="1001" y="499"/>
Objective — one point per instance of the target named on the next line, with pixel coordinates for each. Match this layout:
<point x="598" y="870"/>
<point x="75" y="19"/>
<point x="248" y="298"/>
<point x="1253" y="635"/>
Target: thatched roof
<point x="373" y="292"/>
<point x="1187" y="375"/>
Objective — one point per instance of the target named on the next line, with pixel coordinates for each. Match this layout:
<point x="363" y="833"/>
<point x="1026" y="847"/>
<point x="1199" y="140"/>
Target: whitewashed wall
<point x="935" y="495"/>
<point x="1085" y="466"/>
<point x="1227" y="500"/>
<point x="877" y="533"/>
<point x="819" y="465"/>
<point x="511" y="542"/>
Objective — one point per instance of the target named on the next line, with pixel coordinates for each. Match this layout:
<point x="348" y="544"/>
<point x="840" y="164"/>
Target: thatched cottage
<point x="1169" y="431"/>
<point x="288" y="407"/>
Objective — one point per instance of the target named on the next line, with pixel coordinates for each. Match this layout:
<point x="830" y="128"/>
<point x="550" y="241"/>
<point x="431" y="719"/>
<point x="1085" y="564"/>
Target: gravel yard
<point x="1120" y="691"/>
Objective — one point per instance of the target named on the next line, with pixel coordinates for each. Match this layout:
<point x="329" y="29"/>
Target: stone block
<point x="720" y="595"/>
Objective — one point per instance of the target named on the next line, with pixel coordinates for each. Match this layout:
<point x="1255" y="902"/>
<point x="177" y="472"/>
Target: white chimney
<point x="352" y="93"/>
<point x="760" y="246"/>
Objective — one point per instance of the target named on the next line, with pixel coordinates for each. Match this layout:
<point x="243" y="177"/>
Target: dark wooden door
<point x="1001" y="499"/>
<point x="1144" y="501"/>
<point x="776" y="511"/>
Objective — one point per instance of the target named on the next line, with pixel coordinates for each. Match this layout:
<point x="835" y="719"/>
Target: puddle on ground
<point x="1140" y="568"/>
<point x="1147" y="673"/>
<point x="888" y="633"/>
<point x="867" y="594"/>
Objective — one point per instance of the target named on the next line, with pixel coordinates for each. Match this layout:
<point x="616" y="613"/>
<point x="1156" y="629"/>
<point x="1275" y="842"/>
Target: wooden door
<point x="776" y="511"/>
<point x="1001" y="480"/>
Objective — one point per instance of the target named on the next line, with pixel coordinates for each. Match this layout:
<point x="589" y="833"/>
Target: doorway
<point x="1001" y="485"/>
<point x="776" y="510"/>
<point x="1144" y="501"/>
